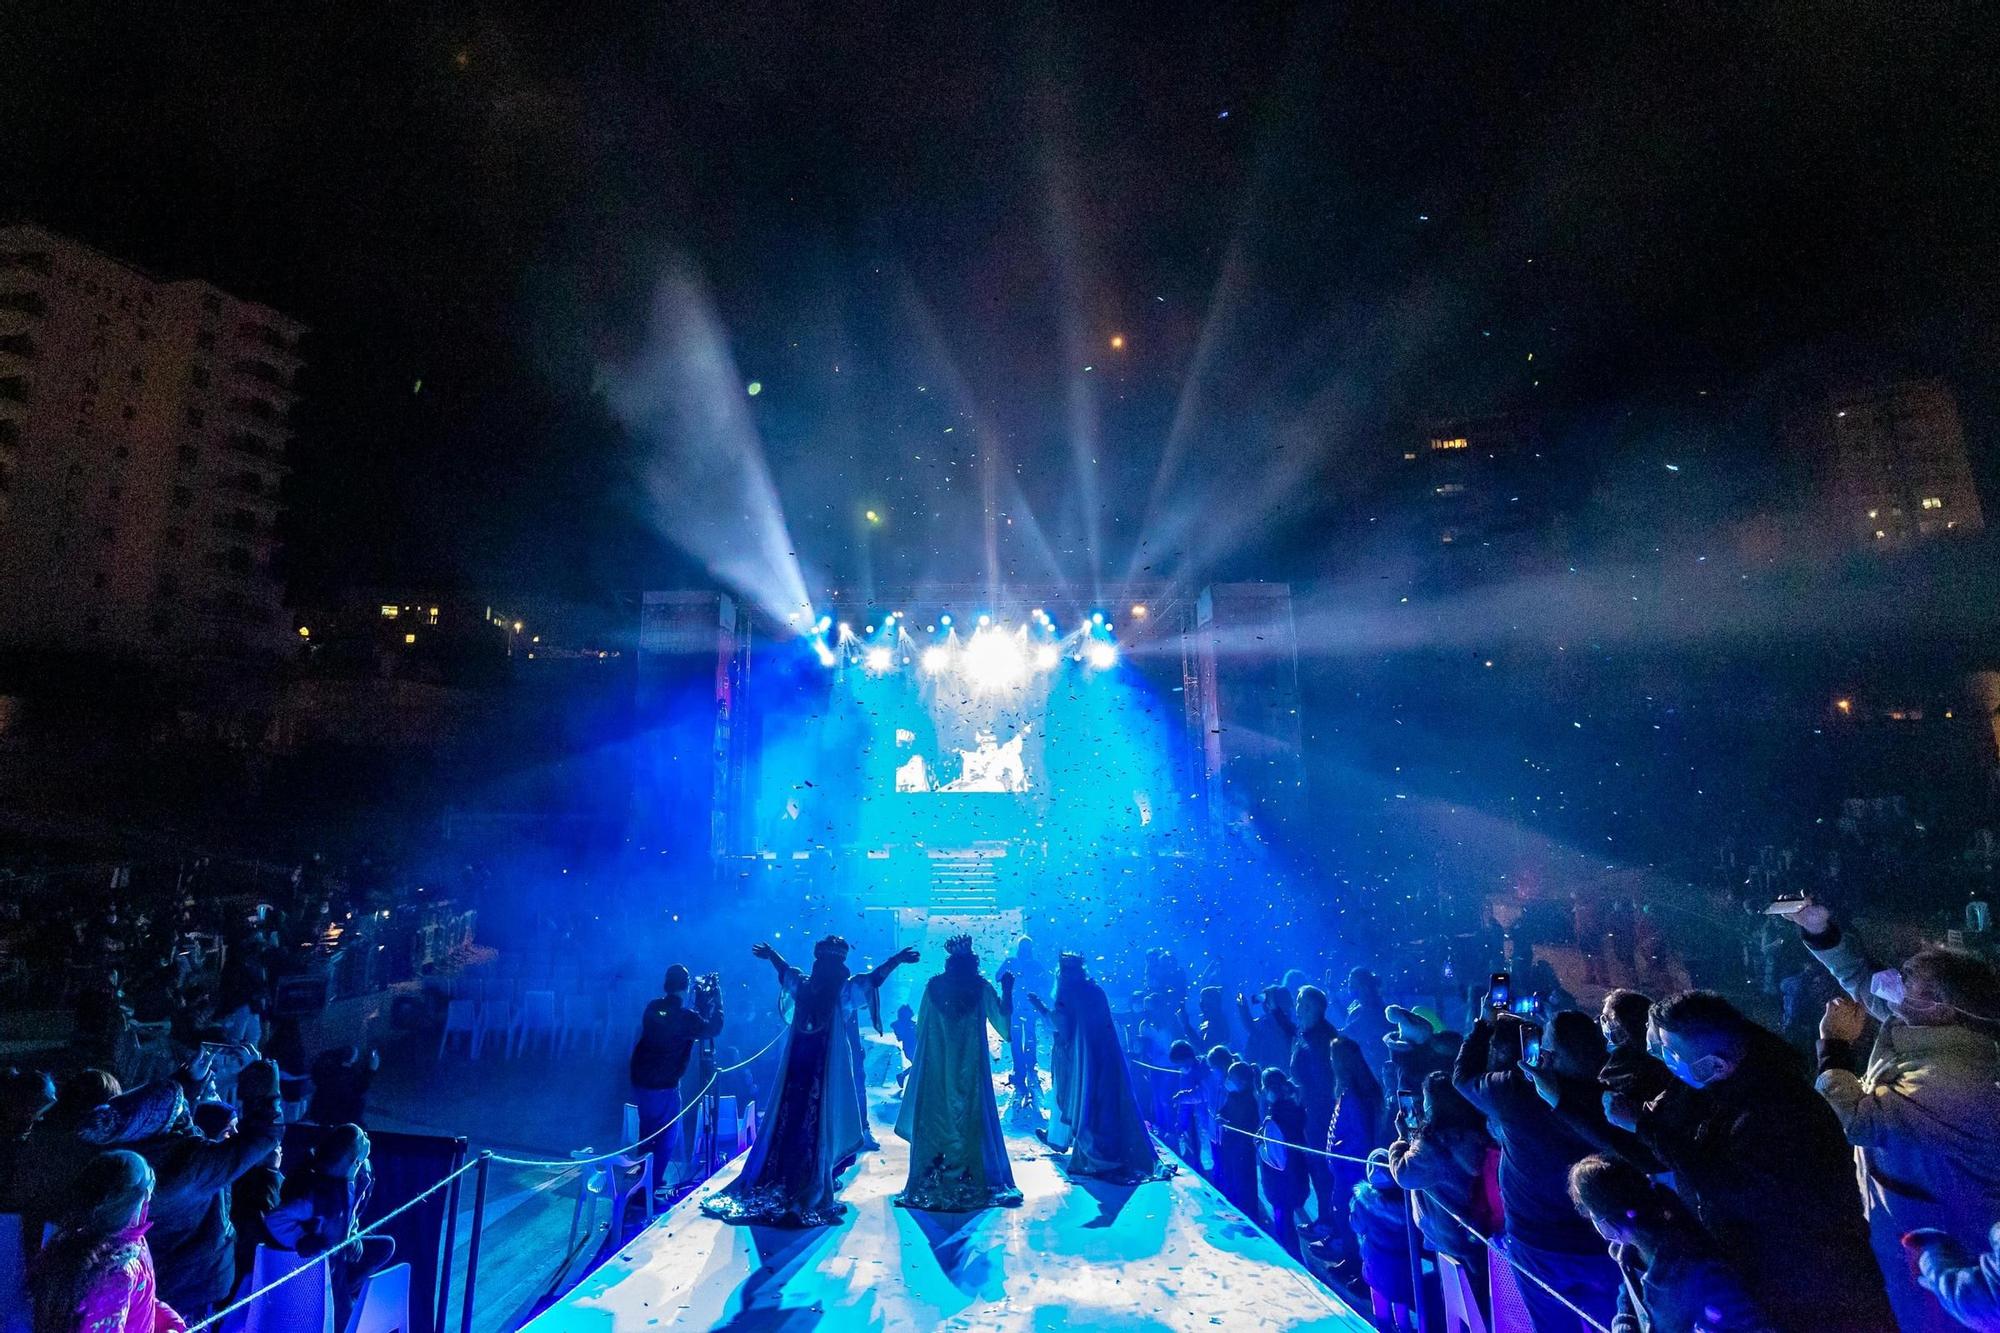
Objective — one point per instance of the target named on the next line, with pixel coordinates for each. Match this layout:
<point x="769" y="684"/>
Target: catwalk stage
<point x="1170" y="1255"/>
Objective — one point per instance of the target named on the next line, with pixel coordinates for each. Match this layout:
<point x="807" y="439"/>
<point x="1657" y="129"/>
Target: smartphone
<point x="1406" y="1102"/>
<point x="1528" y="1006"/>
<point x="1531" y="1049"/>
<point x="1783" y="906"/>
<point x="1500" y="991"/>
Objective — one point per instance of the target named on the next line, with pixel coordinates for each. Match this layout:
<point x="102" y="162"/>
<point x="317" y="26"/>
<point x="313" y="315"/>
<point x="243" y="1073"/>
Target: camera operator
<point x="668" y="1032"/>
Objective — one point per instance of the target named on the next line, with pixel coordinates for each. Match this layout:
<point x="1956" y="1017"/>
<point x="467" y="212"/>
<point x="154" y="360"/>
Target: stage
<point x="1171" y="1255"/>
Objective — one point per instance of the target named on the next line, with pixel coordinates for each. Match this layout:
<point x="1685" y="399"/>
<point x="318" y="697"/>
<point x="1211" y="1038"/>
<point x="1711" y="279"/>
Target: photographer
<point x="668" y="1032"/>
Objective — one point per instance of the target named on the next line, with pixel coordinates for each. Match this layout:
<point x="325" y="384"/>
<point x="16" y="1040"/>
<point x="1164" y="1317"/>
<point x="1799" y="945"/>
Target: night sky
<point x="922" y="227"/>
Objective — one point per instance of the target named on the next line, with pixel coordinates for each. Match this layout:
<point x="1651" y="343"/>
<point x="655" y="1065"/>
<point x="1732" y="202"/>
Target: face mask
<point x="1887" y="986"/>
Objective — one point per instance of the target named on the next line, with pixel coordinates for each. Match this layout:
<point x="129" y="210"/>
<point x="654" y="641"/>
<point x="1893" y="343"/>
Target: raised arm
<point x="891" y="963"/>
<point x="771" y="956"/>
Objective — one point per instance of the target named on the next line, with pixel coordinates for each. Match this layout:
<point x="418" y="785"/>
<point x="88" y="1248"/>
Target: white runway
<point x="1171" y="1255"/>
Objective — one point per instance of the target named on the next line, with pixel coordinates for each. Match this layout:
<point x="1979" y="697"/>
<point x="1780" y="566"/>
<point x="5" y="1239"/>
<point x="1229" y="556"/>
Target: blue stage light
<point x="936" y="659"/>
<point x="1102" y="655"/>
<point x="879" y="661"/>
<point x="1097" y="619"/>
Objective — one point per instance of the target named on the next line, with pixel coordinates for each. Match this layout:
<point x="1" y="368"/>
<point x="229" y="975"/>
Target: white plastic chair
<point x="461" y="1018"/>
<point x="537" y="1019"/>
<point x="1461" y="1303"/>
<point x="749" y="1134"/>
<point x="613" y="1182"/>
<point x="15" y="1312"/>
<point x="384" y="1303"/>
<point x="303" y="1305"/>
<point x="496" y="1019"/>
<point x="629" y="1125"/>
<point x="585" y="1016"/>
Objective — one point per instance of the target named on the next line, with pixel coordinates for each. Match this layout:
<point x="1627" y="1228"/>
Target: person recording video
<point x="668" y="1031"/>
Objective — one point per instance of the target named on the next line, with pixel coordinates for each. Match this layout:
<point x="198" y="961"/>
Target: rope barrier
<point x="1483" y="1238"/>
<point x="326" y="1255"/>
<point x="1317" y="1152"/>
<point x="630" y="1148"/>
<point x="1157" y="1069"/>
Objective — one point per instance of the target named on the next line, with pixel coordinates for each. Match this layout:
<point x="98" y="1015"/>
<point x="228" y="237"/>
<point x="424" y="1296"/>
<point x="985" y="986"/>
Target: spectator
<point x="1364" y="1019"/>
<point x="340" y="1080"/>
<point x="1673" y="1279"/>
<point x="1215" y="1028"/>
<point x="1440" y="1156"/>
<point x="251" y="1199"/>
<point x="1281" y="1169"/>
<point x="1416" y="1049"/>
<point x="25" y="1097"/>
<point x="320" y="1209"/>
<point x="191" y="1231"/>
<point x="1267" y="1038"/>
<point x="1380" y="1234"/>
<point x="1761" y="1159"/>
<point x="1312" y="1075"/>
<point x="668" y="1031"/>
<point x="1237" y="1125"/>
<point x="1967" y="1287"/>
<point x="1924" y="1115"/>
<point x="1545" y="1237"/>
<point x="1359" y="1121"/>
<point x="1570" y="1078"/>
<point x="95" y="1275"/>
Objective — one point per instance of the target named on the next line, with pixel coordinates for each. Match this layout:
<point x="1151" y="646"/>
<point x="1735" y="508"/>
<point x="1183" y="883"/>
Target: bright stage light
<point x="879" y="660"/>
<point x="994" y="661"/>
<point x="1102" y="655"/>
<point x="936" y="660"/>
<point x="1046" y="658"/>
<point x="826" y="655"/>
<point x="1097" y="619"/>
<point x="1138" y="611"/>
<point x="944" y="620"/>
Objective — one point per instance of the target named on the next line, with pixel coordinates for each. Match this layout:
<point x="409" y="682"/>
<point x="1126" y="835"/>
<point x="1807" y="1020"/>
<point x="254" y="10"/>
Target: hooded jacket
<point x="114" y="1294"/>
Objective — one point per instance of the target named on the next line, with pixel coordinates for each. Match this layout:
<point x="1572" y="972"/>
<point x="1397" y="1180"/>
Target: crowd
<point x="1666" y="1164"/>
<point x="142" y="1176"/>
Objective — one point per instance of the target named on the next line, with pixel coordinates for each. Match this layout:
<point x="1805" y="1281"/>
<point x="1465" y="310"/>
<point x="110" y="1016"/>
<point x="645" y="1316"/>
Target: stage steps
<point x="964" y="881"/>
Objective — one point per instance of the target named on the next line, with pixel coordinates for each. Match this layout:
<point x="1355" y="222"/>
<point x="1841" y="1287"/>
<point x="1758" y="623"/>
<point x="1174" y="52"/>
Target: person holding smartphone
<point x="1923" y="1110"/>
<point x="1545" y="1236"/>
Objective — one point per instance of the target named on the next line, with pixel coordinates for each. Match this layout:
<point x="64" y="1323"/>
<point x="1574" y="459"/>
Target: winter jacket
<point x="1536" y="1150"/>
<point x="1760" y="1158"/>
<point x="1444" y="1171"/>
<point x="1685" y="1287"/>
<point x="1924" y="1119"/>
<point x="318" y="1211"/>
<point x="1967" y="1288"/>
<point x="116" y="1293"/>
<point x="192" y="1236"/>
<point x="1312" y="1070"/>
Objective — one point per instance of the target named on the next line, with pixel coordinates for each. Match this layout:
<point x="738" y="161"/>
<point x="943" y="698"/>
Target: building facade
<point x="143" y="430"/>
<point x="1891" y="465"/>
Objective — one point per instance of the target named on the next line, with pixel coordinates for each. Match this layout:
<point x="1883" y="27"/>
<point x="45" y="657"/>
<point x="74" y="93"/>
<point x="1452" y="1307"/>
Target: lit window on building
<point x="1449" y="488"/>
<point x="1933" y="502"/>
<point x="409" y="638"/>
<point x="1409" y="455"/>
<point x="390" y="612"/>
<point x="1456" y="442"/>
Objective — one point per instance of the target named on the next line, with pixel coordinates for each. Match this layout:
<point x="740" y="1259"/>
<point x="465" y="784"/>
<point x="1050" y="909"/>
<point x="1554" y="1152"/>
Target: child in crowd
<point x="96" y="1272"/>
